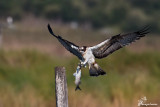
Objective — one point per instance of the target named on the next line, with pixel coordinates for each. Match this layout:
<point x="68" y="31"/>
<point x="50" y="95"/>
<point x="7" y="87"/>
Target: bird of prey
<point x="87" y="54"/>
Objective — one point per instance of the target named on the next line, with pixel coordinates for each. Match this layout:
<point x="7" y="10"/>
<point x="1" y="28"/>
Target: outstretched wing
<point x="116" y="42"/>
<point x="74" y="49"/>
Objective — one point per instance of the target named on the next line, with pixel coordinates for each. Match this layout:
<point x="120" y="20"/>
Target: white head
<point x="82" y="49"/>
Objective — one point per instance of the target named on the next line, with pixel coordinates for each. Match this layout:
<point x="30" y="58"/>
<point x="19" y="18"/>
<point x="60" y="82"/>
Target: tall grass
<point x="27" y="80"/>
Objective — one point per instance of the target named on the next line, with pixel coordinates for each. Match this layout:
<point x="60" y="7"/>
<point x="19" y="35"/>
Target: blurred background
<point x="29" y="54"/>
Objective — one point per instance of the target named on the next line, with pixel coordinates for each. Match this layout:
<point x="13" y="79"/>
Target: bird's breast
<point x="89" y="56"/>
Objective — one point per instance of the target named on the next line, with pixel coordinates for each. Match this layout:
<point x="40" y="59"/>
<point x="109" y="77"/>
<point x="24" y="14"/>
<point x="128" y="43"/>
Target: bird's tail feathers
<point x="95" y="70"/>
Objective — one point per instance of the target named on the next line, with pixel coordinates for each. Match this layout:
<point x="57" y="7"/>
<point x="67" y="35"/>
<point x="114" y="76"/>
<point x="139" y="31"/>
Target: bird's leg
<point x="83" y="63"/>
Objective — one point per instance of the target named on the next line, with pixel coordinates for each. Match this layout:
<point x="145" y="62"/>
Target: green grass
<point x="129" y="77"/>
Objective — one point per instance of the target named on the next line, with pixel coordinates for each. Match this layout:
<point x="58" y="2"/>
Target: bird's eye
<point x="82" y="49"/>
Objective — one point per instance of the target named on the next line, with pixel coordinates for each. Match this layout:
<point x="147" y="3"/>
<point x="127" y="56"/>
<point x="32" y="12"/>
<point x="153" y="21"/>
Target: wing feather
<point x="117" y="42"/>
<point x="74" y="49"/>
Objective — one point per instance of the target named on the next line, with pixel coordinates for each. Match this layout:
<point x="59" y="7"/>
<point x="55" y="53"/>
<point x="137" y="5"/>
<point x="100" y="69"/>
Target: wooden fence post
<point x="61" y="87"/>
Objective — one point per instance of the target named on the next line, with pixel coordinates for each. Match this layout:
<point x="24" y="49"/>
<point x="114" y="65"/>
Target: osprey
<point x="87" y="55"/>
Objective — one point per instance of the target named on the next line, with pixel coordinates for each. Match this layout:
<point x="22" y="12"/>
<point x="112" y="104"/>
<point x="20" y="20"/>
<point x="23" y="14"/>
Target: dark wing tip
<point x="50" y="30"/>
<point x="144" y="31"/>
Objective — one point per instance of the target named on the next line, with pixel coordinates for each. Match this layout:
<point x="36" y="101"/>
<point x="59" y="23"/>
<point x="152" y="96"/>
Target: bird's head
<point x="82" y="49"/>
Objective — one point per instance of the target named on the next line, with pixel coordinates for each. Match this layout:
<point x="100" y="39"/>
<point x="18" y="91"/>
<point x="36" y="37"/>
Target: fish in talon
<point x="77" y="75"/>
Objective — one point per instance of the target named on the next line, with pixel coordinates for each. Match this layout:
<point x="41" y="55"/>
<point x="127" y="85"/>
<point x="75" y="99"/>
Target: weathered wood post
<point x="61" y="87"/>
